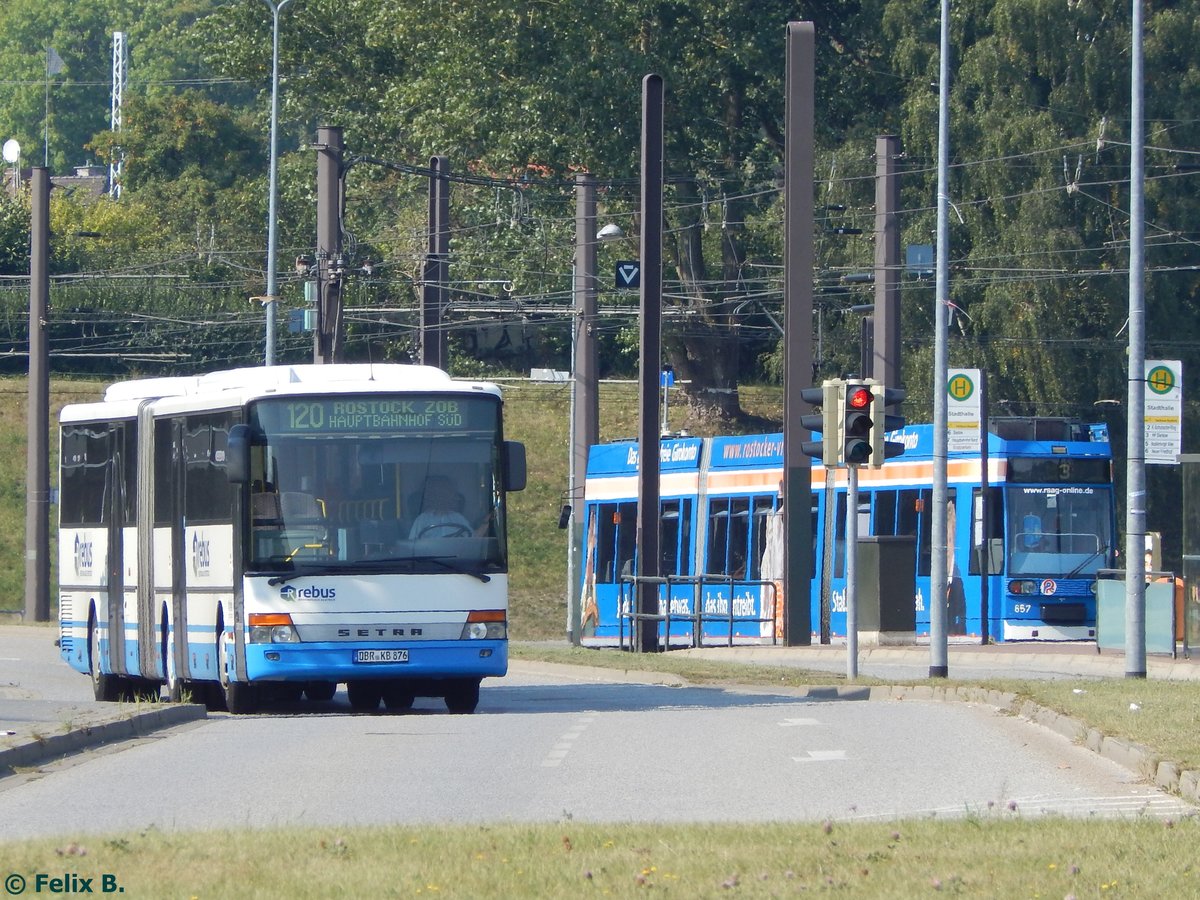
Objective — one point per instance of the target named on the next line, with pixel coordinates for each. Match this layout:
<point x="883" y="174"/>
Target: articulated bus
<point x="253" y="534"/>
<point x="1029" y="525"/>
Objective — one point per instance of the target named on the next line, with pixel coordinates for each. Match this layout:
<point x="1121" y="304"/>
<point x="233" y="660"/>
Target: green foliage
<point x="14" y="236"/>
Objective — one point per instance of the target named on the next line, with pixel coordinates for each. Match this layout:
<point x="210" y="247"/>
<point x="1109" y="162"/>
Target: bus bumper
<point x="336" y="661"/>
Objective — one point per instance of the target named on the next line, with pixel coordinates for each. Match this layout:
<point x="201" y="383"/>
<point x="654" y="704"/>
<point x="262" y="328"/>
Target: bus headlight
<point x="1022" y="587"/>
<point x="486" y="624"/>
<point x="272" y="628"/>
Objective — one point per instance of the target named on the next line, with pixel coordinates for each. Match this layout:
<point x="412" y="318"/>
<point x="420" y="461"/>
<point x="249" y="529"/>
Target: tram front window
<point x="1059" y="532"/>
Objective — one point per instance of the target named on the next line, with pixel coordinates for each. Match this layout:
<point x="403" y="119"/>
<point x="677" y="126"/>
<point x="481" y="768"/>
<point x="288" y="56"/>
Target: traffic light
<point x="882" y="423"/>
<point x="826" y="422"/>
<point x="856" y="423"/>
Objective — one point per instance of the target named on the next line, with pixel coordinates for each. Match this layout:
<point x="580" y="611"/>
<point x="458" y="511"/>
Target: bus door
<point x="114" y="514"/>
<point x="161" y="543"/>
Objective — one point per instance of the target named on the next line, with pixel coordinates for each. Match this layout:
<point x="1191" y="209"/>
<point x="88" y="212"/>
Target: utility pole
<point x="647" y="536"/>
<point x="799" y="121"/>
<point x="938" y="650"/>
<point x="1135" y="462"/>
<point x="585" y="405"/>
<point x="37" y="461"/>
<point x="327" y="339"/>
<point x="434" y="351"/>
<point x="885" y="350"/>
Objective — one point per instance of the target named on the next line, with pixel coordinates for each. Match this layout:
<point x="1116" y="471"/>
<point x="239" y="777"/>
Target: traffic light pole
<point x="852" y="572"/>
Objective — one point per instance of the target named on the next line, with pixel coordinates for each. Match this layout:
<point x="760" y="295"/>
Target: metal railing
<point x="627" y="606"/>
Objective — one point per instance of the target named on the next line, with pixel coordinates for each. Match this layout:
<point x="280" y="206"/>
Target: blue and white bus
<point x="248" y="535"/>
<point x="1029" y="525"/>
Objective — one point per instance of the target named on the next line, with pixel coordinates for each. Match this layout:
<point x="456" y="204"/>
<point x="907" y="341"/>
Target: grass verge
<point x="998" y="855"/>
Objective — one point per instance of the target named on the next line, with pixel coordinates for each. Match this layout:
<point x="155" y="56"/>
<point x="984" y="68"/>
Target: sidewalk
<point x="33" y="732"/>
<point x="46" y="708"/>
<point x="964" y="660"/>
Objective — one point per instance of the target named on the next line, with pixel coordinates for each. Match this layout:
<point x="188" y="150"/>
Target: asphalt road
<point x="551" y="743"/>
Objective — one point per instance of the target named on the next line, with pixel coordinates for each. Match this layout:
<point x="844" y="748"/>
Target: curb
<point x="38" y="750"/>
<point x="1135" y="757"/>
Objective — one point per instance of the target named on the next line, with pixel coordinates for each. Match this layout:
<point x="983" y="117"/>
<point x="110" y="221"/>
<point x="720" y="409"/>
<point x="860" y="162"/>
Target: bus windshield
<point x="371" y="483"/>
<point x="1059" y="531"/>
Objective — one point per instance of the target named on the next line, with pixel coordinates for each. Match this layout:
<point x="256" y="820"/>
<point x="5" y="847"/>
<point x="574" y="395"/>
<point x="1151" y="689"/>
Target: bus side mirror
<point x="237" y="454"/>
<point x="514" y="466"/>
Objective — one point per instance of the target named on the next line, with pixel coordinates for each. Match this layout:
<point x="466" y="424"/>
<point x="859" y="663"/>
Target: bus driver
<point x="439" y="514"/>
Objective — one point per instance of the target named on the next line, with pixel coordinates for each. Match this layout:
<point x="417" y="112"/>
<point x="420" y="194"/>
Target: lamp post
<point x="271" y="299"/>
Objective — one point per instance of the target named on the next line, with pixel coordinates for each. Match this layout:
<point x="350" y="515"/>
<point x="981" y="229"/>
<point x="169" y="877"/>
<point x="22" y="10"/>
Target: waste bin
<point x="887" y="588"/>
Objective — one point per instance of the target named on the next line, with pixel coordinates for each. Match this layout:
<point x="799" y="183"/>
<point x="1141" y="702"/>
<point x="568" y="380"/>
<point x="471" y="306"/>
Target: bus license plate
<point x="381" y="656"/>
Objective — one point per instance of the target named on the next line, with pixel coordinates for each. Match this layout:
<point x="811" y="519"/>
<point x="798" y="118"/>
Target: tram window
<point x="914" y="518"/>
<point x="816" y="535"/>
<point x="607" y="560"/>
<point x="718" y="537"/>
<point x="669" y="550"/>
<point x="885" y="512"/>
<point x="84" y="482"/>
<point x="739" y="536"/>
<point x="758" y="535"/>
<point x="675" y="536"/>
<point x="839" y="537"/>
<point x="983" y="532"/>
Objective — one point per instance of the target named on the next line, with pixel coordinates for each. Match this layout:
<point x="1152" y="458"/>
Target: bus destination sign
<point x="373" y="414"/>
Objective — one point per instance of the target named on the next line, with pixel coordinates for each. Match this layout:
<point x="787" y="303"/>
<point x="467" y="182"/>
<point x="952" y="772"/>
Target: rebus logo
<point x="201" y="554"/>
<point x="291" y="593"/>
<point x="83" y="556"/>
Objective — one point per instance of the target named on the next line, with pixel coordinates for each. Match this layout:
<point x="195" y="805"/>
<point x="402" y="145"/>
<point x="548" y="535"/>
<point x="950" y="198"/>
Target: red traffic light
<point x="859" y="397"/>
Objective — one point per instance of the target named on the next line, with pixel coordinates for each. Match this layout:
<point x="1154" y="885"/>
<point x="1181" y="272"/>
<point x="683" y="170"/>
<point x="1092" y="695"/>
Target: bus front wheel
<point x="463" y="696"/>
<point x="240" y="697"/>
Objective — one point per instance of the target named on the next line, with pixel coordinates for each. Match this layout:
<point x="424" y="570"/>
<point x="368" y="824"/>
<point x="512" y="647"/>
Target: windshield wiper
<point x="1099" y="551"/>
<point x="443" y="561"/>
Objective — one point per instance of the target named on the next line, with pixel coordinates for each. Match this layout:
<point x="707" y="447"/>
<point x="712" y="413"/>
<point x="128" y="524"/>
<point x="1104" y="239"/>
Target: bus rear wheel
<point x="320" y="691"/>
<point x="463" y="696"/>
<point x="397" y="697"/>
<point x="104" y="687"/>
<point x="364" y="695"/>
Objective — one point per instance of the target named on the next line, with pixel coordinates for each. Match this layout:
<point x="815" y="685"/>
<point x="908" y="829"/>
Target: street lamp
<point x="271" y="299"/>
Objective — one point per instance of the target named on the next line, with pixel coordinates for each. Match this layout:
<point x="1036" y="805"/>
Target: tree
<point x="500" y="88"/>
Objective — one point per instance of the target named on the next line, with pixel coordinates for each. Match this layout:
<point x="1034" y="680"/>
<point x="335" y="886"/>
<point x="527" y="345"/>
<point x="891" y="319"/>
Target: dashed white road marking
<point x="821" y="756"/>
<point x="565" y="742"/>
